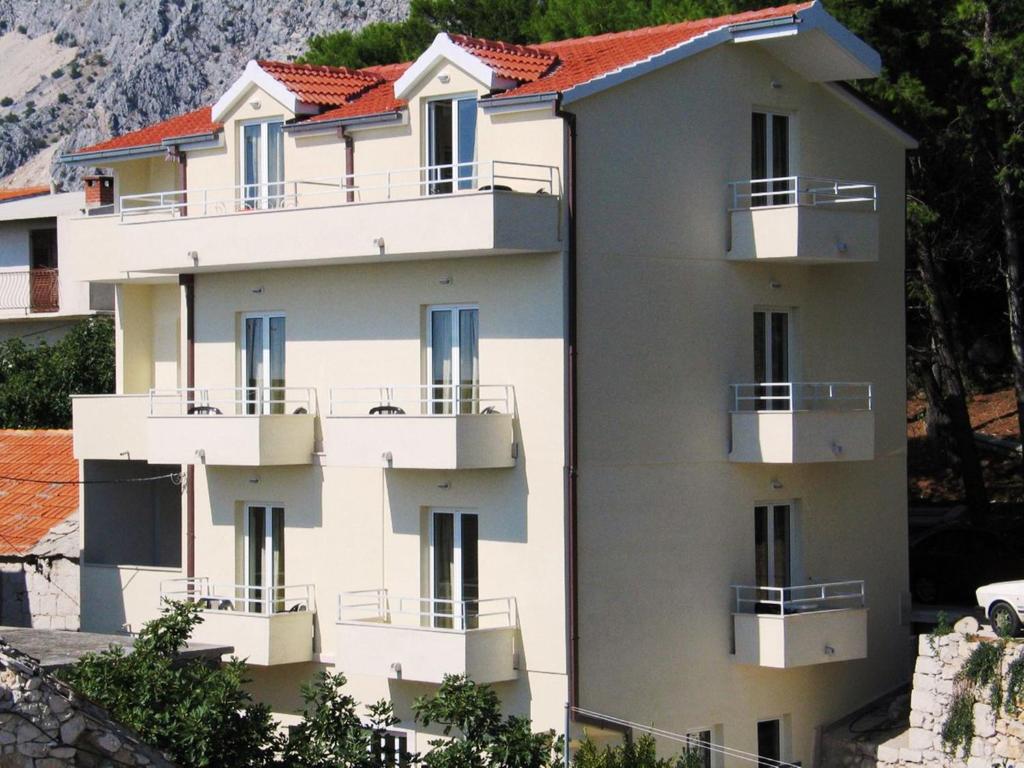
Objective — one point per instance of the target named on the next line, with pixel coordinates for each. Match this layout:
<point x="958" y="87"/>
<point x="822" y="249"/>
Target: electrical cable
<point x="174" y="477"/>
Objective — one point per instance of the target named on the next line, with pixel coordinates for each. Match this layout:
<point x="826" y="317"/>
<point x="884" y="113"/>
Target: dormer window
<point x="262" y="161"/>
<point x="451" y="144"/>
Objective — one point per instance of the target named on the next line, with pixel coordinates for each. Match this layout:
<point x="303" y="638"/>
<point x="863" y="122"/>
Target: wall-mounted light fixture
<point x="776" y="84"/>
<point x="258" y="289"/>
<point x="379" y="243"/>
<point x="194" y="255"/>
<point x="443" y="78"/>
<point x="444" y="485"/>
<point x="776" y="484"/>
<point x="445" y="280"/>
<point x="255" y="103"/>
<point x="774" y="284"/>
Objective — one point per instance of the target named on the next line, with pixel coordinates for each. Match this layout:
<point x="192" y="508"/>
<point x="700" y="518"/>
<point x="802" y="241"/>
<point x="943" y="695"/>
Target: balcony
<point x="422" y="640"/>
<point x="798" y="626"/>
<point x="29" y="291"/>
<point x="265" y="629"/>
<point x="234" y="427"/>
<point x="421" y="427"/>
<point x="110" y="426"/>
<point x="493" y="207"/>
<point x="803" y="220"/>
<point x="802" y="422"/>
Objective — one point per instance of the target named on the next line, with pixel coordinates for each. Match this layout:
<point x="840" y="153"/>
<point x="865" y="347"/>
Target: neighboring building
<point x="513" y="361"/>
<point x="40" y="295"/>
<point x="39" y="578"/>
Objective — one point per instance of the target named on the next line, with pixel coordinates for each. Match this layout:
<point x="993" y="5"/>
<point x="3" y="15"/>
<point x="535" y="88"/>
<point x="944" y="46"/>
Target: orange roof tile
<point x="376" y="100"/>
<point x="522" y="63"/>
<point x="22" y="192"/>
<point x="326" y="86"/>
<point x="29" y="510"/>
<point x="191" y="123"/>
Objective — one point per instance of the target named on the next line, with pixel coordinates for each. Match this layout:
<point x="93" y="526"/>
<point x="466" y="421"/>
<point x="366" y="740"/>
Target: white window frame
<point x="796" y="574"/>
<point x="457" y="596"/>
<point x="715" y="742"/>
<point x="264" y="400"/>
<point x="268" y="551"/>
<point x="783" y="721"/>
<point x="456" y="389"/>
<point x="262" y="198"/>
<point x="428" y="121"/>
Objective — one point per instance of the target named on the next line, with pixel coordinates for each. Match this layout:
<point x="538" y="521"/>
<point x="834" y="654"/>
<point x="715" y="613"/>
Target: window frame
<point x="457" y="182"/>
<point x="454" y="402"/>
<point x="272" y="510"/>
<point x="263" y="405"/>
<point x="262" y="200"/>
<point x="458" y="594"/>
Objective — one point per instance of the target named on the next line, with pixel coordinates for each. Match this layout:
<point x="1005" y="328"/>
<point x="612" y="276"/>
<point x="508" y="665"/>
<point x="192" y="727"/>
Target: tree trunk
<point x="1014" y="279"/>
<point x="946" y="367"/>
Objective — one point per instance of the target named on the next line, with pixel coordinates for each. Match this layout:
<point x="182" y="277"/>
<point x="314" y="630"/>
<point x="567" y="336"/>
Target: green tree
<point x="476" y="735"/>
<point x="634" y="753"/>
<point x="374" y="44"/>
<point x="199" y="714"/>
<point x="36" y="382"/>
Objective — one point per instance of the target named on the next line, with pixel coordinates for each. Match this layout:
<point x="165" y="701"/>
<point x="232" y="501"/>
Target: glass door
<point x="263" y="345"/>
<point x="451" y="144"/>
<point x="454" y="569"/>
<point x="772" y="361"/>
<point x="769" y="743"/>
<point x="453" y="364"/>
<point x="262" y="161"/>
<point x="773" y="550"/>
<point x="264" y="558"/>
<point x="769" y="159"/>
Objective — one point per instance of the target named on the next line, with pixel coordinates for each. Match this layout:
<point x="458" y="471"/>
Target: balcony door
<point x="769" y="743"/>
<point x="772" y="359"/>
<point x="773" y="550"/>
<point x="263" y="569"/>
<point x="451" y="144"/>
<point x="263" y="344"/>
<point x="262" y="164"/>
<point x="454" y="569"/>
<point x="769" y="158"/>
<point x="453" y="359"/>
<point x="42" y="276"/>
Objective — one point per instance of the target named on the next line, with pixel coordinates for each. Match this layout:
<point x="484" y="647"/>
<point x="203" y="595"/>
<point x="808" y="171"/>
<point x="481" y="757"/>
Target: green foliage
<point x="63" y="98"/>
<point x="980" y="672"/>
<point x="638" y="753"/>
<point x="380" y="43"/>
<point x="6" y="101"/>
<point x="476" y="734"/>
<point x="36" y="382"/>
<point x="57" y="73"/>
<point x="1014" y="693"/>
<point x="958" y="730"/>
<point x="198" y="713"/>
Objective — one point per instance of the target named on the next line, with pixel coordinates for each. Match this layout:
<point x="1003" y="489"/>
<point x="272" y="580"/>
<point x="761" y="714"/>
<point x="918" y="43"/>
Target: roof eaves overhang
<point x="847" y="95"/>
<point x="398" y="116"/>
<point x="112" y="155"/>
<point x="526" y="103"/>
<point x="193" y="139"/>
<point x="255" y="75"/>
<point x="445" y="49"/>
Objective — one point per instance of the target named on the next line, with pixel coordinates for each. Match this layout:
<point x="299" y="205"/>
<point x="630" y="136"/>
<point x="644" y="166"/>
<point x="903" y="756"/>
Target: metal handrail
<point x="231" y="401"/>
<point x="423" y="399"/>
<point x="800" y="190"/>
<point x="802" y="396"/>
<point x="804" y="598"/>
<point x="32" y="290"/>
<point x="240" y="598"/>
<point x="358" y="187"/>
<point x="378" y="606"/>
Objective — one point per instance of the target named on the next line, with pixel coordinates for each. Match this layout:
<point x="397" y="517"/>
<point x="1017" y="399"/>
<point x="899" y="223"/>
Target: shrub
<point x="57" y="73"/>
<point x="6" y="101"/>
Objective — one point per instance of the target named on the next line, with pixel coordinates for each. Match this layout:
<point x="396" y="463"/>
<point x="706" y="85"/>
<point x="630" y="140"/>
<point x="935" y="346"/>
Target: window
<point x="773" y="545"/>
<point x="700" y="744"/>
<point x="263" y="566"/>
<point x="263" y="337"/>
<point x="453" y="355"/>
<point x="391" y="749"/>
<point x="769" y="159"/>
<point x="772" y="360"/>
<point x="262" y="164"/>
<point x="451" y="143"/>
<point x="454" y="569"/>
<point x="769" y="743"/>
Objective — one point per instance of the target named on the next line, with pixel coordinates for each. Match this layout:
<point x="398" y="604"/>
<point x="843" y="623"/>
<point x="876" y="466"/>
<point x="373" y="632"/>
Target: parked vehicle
<point x="1004" y="604"/>
<point x="949" y="562"/>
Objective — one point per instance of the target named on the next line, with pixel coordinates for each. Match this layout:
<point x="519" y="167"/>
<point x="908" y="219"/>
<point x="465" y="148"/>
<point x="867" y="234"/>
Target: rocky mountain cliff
<point x="74" y="72"/>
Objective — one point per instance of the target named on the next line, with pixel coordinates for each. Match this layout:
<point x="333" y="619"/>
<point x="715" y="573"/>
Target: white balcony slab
<point x="110" y="426"/>
<point x="261" y="639"/>
<point x="804" y="234"/>
<point x="801" y="639"/>
<point x="468" y="441"/>
<point x="228" y="440"/>
<point x="798" y="437"/>
<point x="425" y="654"/>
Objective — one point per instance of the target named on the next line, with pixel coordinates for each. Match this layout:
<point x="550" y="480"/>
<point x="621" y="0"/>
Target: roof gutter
<point x="379" y="118"/>
<point x="191" y="138"/>
<point x="136" y="153"/>
<point x="526" y="101"/>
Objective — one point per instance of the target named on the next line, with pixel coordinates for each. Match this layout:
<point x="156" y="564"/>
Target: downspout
<point x="572" y="442"/>
<point x="350" y="164"/>
<point x="176" y="155"/>
<point x="188" y="282"/>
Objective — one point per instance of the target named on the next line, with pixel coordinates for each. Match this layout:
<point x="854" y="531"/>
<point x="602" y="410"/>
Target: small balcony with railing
<point x="803" y="220"/>
<point x="232" y="426"/>
<point x="481" y="208"/>
<point x="421" y="427"/>
<point x="29" y="291"/>
<point x="264" y="625"/>
<point x="423" y="639"/>
<point x="802" y="422"/>
<point x="786" y="627"/>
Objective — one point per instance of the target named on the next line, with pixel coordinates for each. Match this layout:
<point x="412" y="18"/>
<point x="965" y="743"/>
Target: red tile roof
<point x="326" y="86"/>
<point x="189" y="124"/>
<point x="29" y="510"/>
<point x="377" y="100"/>
<point x="522" y="63"/>
<point x="20" y="193"/>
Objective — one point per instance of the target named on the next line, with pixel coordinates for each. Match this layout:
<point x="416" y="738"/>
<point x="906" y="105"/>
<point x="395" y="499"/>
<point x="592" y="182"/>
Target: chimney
<point x="99" y="191"/>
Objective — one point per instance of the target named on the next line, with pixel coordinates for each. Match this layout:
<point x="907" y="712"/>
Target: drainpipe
<point x="571" y="426"/>
<point x="176" y="155"/>
<point x="188" y="282"/>
<point x="350" y="164"/>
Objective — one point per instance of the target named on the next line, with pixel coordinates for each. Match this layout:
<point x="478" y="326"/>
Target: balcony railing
<point x="802" y="396"/>
<point x="802" y="190"/>
<point x="232" y="401"/>
<point x="378" y="606"/>
<point x="422" y="400"/>
<point x="806" y="598"/>
<point x="240" y="598"/>
<point x="376" y="186"/>
<point x="34" y="290"/>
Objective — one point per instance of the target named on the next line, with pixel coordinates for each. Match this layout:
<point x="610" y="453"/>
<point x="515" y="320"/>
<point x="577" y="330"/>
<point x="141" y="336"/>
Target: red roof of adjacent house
<point x="29" y="510"/>
<point x="20" y="193"/>
<point x="326" y="86"/>
<point x="548" y="68"/>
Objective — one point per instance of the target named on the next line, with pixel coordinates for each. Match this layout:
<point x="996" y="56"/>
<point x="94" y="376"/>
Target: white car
<point x="1004" y="605"/>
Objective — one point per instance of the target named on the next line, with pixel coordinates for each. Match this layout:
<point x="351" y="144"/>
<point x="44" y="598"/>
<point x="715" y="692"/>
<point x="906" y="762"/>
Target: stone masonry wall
<point x="44" y="724"/>
<point x="41" y="589"/>
<point x="998" y="737"/>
